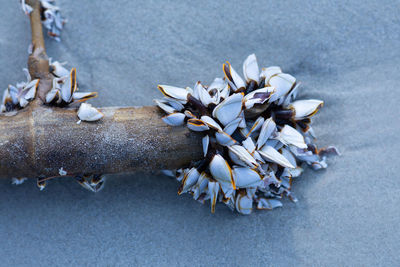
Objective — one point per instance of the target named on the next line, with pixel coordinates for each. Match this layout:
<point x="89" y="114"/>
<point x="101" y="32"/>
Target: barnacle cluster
<point x="50" y="15"/>
<point x="19" y="96"/>
<point x="257" y="136"/>
<point x="64" y="92"/>
<point x="64" y="89"/>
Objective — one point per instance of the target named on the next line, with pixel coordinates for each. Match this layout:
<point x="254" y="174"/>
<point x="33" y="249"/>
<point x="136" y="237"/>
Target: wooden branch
<point x="41" y="140"/>
<point x="38" y="62"/>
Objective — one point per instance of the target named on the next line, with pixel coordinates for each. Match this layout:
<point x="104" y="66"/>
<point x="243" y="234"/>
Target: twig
<point x="38" y="62"/>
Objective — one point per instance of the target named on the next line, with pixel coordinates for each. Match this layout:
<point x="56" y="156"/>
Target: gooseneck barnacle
<point x="257" y="136"/>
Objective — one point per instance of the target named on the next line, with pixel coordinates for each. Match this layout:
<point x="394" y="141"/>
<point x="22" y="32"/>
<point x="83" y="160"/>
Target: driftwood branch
<point x="40" y="140"/>
<point x="38" y="62"/>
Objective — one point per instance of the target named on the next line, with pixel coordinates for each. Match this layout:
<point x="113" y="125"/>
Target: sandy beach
<point x="346" y="53"/>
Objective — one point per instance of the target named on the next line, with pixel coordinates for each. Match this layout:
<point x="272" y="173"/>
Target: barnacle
<point x="64" y="91"/>
<point x="19" y="96"/>
<point x="257" y="137"/>
<point x="51" y="17"/>
<point x="18" y="181"/>
<point x="65" y="88"/>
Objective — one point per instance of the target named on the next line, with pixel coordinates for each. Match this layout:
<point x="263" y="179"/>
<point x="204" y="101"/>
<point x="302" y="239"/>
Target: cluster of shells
<point x="50" y="15"/>
<point x="257" y="136"/>
<point x="64" y="93"/>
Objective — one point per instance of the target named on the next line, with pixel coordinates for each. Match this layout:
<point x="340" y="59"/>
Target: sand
<point x="345" y="53"/>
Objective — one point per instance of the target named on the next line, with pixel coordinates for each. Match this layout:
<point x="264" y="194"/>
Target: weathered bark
<point x="41" y="140"/>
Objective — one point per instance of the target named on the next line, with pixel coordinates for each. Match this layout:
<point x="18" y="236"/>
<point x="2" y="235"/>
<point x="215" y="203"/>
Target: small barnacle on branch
<point x="256" y="136"/>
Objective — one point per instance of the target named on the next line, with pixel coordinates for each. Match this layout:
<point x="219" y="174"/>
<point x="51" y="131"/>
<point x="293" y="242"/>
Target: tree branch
<point x="38" y="62"/>
<point x="40" y="141"/>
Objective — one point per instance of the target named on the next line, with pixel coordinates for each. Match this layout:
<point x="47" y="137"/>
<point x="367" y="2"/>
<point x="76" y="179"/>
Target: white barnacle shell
<point x="6" y="100"/>
<point x="232" y="126"/>
<point x="291" y="95"/>
<point x="218" y="84"/>
<point x="268" y="127"/>
<point x="173" y="92"/>
<point x="250" y="69"/>
<point x="249" y="145"/>
<point x="244" y="204"/>
<point x="256" y="126"/>
<point x="271" y="154"/>
<point x="282" y="82"/>
<point x="259" y="96"/>
<point x="62" y="172"/>
<point x="47" y="5"/>
<point x="41" y="184"/>
<point x="97" y="182"/>
<point x="290" y="136"/>
<point x="211" y="123"/>
<point x="246" y="177"/>
<point x="204" y="95"/>
<point x="197" y="125"/>
<point x="189" y="180"/>
<point x="305" y="108"/>
<point x="189" y="114"/>
<point x="69" y="86"/>
<point x="224" y="92"/>
<point x="213" y="188"/>
<point x="237" y="152"/>
<point x="268" y="73"/>
<point x="51" y="95"/>
<point x="205" y="142"/>
<point x="242" y="123"/>
<point x="229" y="109"/>
<point x="200" y="185"/>
<point x="59" y="70"/>
<point x="174" y="119"/>
<point x="224" y="139"/>
<point x="268" y="204"/>
<point x="173" y="103"/>
<point x="222" y="172"/>
<point x="26" y="8"/>
<point x="289" y="156"/>
<point x="88" y="113"/>
<point x="167" y="108"/>
<point x="13" y="91"/>
<point x="251" y="148"/>
<point x="18" y="181"/>
<point x="30" y="90"/>
<point x="235" y="81"/>
<point x="83" y="96"/>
